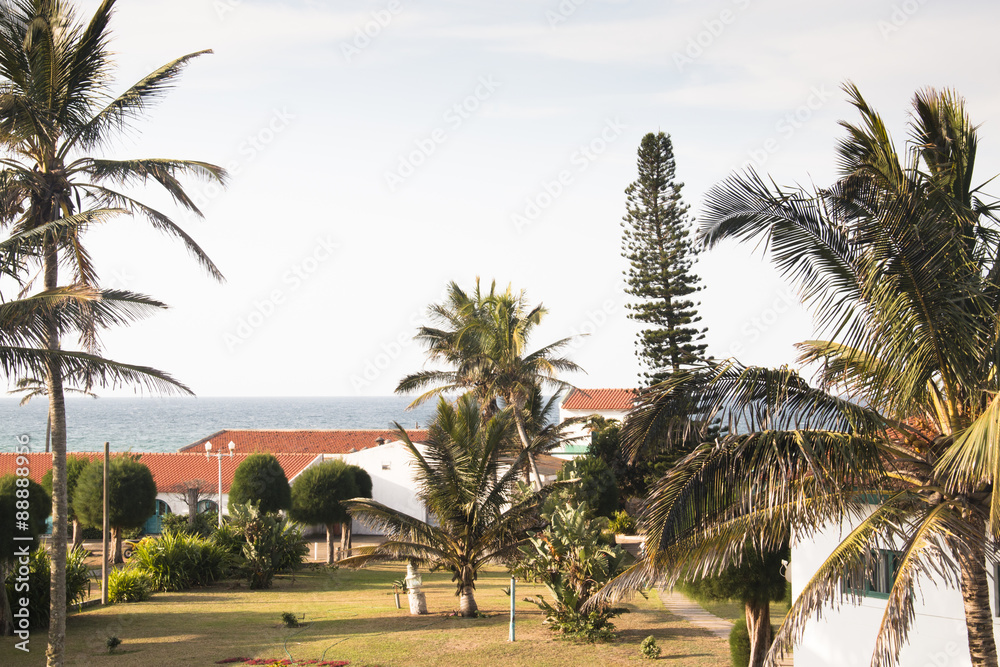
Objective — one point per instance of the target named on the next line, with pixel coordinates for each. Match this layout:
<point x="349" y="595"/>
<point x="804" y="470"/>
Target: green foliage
<point x="739" y="644"/>
<point x="129" y="584"/>
<point x="112" y="643"/>
<point x="74" y="466"/>
<point x="318" y="492"/>
<point x="177" y="561"/>
<point x="656" y="243"/>
<point x="131" y="493"/>
<point x="596" y="488"/>
<point x="622" y="523"/>
<point x="20" y="494"/>
<point x="39" y="573"/>
<point x="756" y="579"/>
<point x="289" y="619"/>
<point x="205" y="524"/>
<point x="260" y="479"/>
<point x="269" y="544"/>
<point x="570" y="558"/>
<point x="649" y="649"/>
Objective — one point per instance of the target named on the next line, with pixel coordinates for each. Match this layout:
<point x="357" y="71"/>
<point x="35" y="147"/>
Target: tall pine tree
<point x="656" y="243"/>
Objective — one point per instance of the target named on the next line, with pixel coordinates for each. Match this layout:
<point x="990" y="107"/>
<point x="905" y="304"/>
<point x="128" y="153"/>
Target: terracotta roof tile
<point x="330" y="441"/>
<point x="169" y="468"/>
<point x="600" y="399"/>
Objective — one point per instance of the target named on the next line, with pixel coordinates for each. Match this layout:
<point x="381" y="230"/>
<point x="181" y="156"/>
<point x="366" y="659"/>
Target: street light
<point x="219" y="455"/>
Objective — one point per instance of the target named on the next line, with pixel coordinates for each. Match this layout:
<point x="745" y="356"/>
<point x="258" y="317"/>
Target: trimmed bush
<point x="176" y="562"/>
<point x="39" y="576"/>
<point x="649" y="649"/>
<point x="129" y="584"/>
<point x="260" y="479"/>
<point x="739" y="644"/>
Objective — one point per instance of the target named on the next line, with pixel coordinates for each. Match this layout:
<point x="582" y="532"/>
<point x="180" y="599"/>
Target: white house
<point x="845" y="635"/>
<point x="391" y="468"/>
<point x="607" y="403"/>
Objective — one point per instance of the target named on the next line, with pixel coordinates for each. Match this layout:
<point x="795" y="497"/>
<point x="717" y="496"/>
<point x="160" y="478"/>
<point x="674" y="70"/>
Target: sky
<point x="378" y="150"/>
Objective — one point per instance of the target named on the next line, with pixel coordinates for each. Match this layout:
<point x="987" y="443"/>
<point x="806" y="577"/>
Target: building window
<point x="875" y="579"/>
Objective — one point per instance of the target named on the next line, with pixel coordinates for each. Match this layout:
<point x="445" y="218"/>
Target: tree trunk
<point x="759" y="628"/>
<point x="523" y="435"/>
<point x="467" y="606"/>
<point x="55" y="652"/>
<point x="346" y="543"/>
<point x="191" y="497"/>
<point x="329" y="543"/>
<point x="116" y="545"/>
<point x="976" y="596"/>
<point x="77" y="533"/>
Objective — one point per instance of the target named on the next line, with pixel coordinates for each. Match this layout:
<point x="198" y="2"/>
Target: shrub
<point x="175" y="561"/>
<point x="205" y="524"/>
<point x="39" y="576"/>
<point x="112" y="643"/>
<point x="649" y="649"/>
<point x="289" y="619"/>
<point x="739" y="644"/>
<point x="622" y="523"/>
<point x="570" y="558"/>
<point x="260" y="479"/>
<point x="597" y="487"/>
<point x="270" y="544"/>
<point x="129" y="584"/>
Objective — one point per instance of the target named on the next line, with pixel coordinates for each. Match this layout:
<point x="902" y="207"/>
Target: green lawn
<point x="351" y="615"/>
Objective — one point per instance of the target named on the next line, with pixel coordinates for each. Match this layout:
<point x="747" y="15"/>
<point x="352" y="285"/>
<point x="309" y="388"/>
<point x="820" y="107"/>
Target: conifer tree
<point x="656" y="243"/>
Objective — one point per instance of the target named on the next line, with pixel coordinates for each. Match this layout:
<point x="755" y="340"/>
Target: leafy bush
<point x="260" y="479"/>
<point x="739" y="644"/>
<point x="175" y="561"/>
<point x="289" y="619"/>
<point x="597" y="487"/>
<point x="573" y="562"/>
<point x="129" y="584"/>
<point x="112" y="643"/>
<point x="649" y="649"/>
<point x="39" y="576"/>
<point x="205" y="524"/>
<point x="270" y="544"/>
<point x="622" y="523"/>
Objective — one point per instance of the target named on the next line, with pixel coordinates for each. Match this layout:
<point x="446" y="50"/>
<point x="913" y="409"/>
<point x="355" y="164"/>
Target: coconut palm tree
<point x="56" y="113"/>
<point x="483" y="338"/>
<point x="465" y="486"/>
<point x="900" y="262"/>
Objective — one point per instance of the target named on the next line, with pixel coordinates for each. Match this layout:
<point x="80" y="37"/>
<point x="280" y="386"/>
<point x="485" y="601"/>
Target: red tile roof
<point x="600" y="399"/>
<point x="169" y="468"/>
<point x="331" y="441"/>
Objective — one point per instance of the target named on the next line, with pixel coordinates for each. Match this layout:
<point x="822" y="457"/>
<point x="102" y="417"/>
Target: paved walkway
<point x="693" y="613"/>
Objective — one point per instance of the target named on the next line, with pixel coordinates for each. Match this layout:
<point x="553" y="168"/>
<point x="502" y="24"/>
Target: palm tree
<point x="463" y="483"/>
<point x="484" y="339"/>
<point x="55" y="107"/>
<point x="900" y="261"/>
<point x="33" y="388"/>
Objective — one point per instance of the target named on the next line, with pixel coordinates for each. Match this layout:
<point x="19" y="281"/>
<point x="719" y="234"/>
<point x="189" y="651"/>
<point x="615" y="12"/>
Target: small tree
<point x="74" y="466"/>
<point x="596" y="488"/>
<point x="260" y="479"/>
<point x="131" y="497"/>
<point x="18" y="494"/>
<point x="317" y="496"/>
<point x="756" y="582"/>
<point x="191" y="492"/>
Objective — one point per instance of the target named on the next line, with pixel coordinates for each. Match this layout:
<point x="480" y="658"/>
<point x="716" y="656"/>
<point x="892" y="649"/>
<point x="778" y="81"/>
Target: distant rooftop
<point x="169" y="468"/>
<point x="600" y="399"/>
<point x="328" y="441"/>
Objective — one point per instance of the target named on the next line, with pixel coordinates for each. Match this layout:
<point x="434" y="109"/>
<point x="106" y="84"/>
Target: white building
<point x="607" y="403"/>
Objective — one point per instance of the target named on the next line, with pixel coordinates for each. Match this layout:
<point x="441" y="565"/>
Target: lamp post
<point x="219" y="455"/>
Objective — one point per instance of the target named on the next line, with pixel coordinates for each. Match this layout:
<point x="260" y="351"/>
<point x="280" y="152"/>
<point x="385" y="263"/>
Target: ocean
<point x="167" y="424"/>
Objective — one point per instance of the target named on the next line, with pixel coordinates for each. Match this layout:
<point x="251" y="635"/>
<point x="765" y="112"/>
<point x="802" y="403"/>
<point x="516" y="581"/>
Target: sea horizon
<point x="165" y="424"/>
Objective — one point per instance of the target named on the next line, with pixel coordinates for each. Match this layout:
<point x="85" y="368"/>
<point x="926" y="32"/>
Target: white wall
<point x="579" y="430"/>
<point x="845" y="636"/>
<point x="391" y="469"/>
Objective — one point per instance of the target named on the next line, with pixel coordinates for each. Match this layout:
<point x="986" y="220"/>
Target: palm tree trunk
<point x="759" y="628"/>
<point x="329" y="543"/>
<point x="976" y="596"/>
<point x="56" y="649"/>
<point x="523" y="435"/>
<point x="345" y="538"/>
<point x="77" y="534"/>
<point x="467" y="606"/>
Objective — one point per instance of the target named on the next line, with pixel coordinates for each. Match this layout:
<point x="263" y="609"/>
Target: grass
<point x="351" y="615"/>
